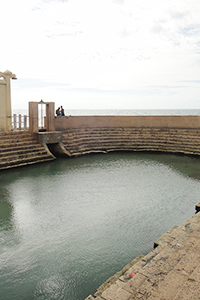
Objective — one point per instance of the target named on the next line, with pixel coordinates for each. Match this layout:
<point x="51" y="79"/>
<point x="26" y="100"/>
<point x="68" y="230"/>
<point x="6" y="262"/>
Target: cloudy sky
<point x="85" y="54"/>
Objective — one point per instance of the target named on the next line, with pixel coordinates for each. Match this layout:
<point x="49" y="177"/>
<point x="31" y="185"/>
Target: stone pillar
<point x="5" y="100"/>
<point x="50" y="116"/>
<point x="33" y="117"/>
<point x="25" y="122"/>
<point x="20" y="121"/>
<point x="15" y="122"/>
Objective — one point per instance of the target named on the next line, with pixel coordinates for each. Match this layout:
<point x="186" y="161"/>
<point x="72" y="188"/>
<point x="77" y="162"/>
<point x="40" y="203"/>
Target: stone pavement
<point x="170" y="271"/>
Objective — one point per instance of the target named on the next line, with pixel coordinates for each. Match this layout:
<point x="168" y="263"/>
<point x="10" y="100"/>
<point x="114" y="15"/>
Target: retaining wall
<point x="89" y="134"/>
<point x="63" y="123"/>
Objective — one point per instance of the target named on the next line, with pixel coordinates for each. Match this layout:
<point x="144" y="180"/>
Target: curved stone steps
<point x="18" y="162"/>
<point x="18" y="147"/>
<point x="15" y="136"/>
<point x="21" y="154"/>
<point x="88" y="140"/>
<point x="21" y="148"/>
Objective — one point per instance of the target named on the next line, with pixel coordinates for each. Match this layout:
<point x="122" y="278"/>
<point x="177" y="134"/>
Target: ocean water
<point x="123" y="112"/>
<point x="104" y="112"/>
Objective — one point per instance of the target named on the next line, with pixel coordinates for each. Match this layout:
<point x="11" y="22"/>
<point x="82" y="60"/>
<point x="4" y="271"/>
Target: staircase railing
<point x="20" y="122"/>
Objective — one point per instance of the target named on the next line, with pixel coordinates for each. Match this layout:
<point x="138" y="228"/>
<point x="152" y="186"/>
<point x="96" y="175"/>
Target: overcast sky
<point x="129" y="54"/>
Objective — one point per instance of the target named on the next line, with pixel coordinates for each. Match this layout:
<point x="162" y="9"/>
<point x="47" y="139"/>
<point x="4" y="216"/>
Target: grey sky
<point x="103" y="53"/>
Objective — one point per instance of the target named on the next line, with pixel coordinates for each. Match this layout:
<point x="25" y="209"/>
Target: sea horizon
<point x="123" y="112"/>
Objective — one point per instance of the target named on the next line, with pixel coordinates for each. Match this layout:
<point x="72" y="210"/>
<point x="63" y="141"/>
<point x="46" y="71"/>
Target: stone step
<point x="84" y="136"/>
<point x="134" y="142"/>
<point x="14" y="133"/>
<point x="83" y="141"/>
<point x="74" y="149"/>
<point x="170" y="139"/>
<point x="18" y="132"/>
<point x="129" y="130"/>
<point x="167" y="272"/>
<point x="20" y="143"/>
<point x="20" y="146"/>
<point x="140" y="140"/>
<point x="162" y="135"/>
<point x="10" y="141"/>
<point x="25" y="161"/>
<point x="21" y="154"/>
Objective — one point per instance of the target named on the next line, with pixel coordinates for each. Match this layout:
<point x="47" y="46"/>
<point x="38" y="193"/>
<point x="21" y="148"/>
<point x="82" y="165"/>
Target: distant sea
<point x="120" y="112"/>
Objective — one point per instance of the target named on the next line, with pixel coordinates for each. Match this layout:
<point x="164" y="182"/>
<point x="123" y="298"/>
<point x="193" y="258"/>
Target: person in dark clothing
<point x="62" y="111"/>
<point x="58" y="111"/>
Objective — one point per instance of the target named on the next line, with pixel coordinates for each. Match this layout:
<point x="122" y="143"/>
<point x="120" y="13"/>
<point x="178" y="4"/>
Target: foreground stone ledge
<point x="169" y="272"/>
<point x="115" y="277"/>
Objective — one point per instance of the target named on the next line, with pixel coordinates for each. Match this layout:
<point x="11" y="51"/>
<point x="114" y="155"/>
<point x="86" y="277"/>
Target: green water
<point x="68" y="225"/>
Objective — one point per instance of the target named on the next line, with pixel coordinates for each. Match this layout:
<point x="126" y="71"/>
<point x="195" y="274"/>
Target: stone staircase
<point x="170" y="271"/>
<point x="80" y="141"/>
<point x="18" y="148"/>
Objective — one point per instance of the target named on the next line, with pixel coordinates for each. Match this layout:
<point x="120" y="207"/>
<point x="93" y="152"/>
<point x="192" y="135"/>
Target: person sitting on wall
<point x="58" y="112"/>
<point x="62" y="111"/>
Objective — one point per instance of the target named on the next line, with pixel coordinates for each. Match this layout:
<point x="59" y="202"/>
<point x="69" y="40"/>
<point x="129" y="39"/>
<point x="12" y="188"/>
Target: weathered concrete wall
<point x="63" y="123"/>
<point x="51" y="137"/>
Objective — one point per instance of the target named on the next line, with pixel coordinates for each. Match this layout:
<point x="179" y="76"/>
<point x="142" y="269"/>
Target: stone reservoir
<point x="175" y="261"/>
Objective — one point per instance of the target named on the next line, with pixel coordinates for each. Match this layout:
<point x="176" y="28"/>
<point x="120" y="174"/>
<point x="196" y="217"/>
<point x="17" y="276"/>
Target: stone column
<point x="33" y="117"/>
<point x="5" y="100"/>
<point x="50" y="116"/>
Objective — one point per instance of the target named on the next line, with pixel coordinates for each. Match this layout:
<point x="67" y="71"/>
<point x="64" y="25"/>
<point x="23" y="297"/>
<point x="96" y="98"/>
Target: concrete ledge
<point x="51" y="137"/>
<point x="64" y="123"/>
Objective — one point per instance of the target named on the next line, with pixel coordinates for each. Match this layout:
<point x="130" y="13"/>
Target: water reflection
<point x="68" y="225"/>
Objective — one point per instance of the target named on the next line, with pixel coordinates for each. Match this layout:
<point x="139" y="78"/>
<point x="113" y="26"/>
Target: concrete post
<point x="15" y="122"/>
<point x="20" y="121"/>
<point x="5" y="100"/>
<point x="25" y="122"/>
<point x="50" y="116"/>
<point x="33" y="117"/>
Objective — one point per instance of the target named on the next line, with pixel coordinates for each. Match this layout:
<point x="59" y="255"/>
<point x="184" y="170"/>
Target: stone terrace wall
<point x="90" y="134"/>
<point x="63" y="123"/>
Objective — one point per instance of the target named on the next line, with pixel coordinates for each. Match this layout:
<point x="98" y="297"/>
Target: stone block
<point x="90" y="297"/>
<point x="196" y="233"/>
<point x="134" y="283"/>
<point x="188" y="263"/>
<point x="188" y="243"/>
<point x="115" y="292"/>
<point x="164" y="254"/>
<point x="149" y="287"/>
<point x="172" y="284"/>
<point x="167" y="237"/>
<point x="151" y="268"/>
<point x="134" y="269"/>
<point x="189" y="291"/>
<point x="49" y="137"/>
<point x="172" y="261"/>
<point x="195" y="274"/>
